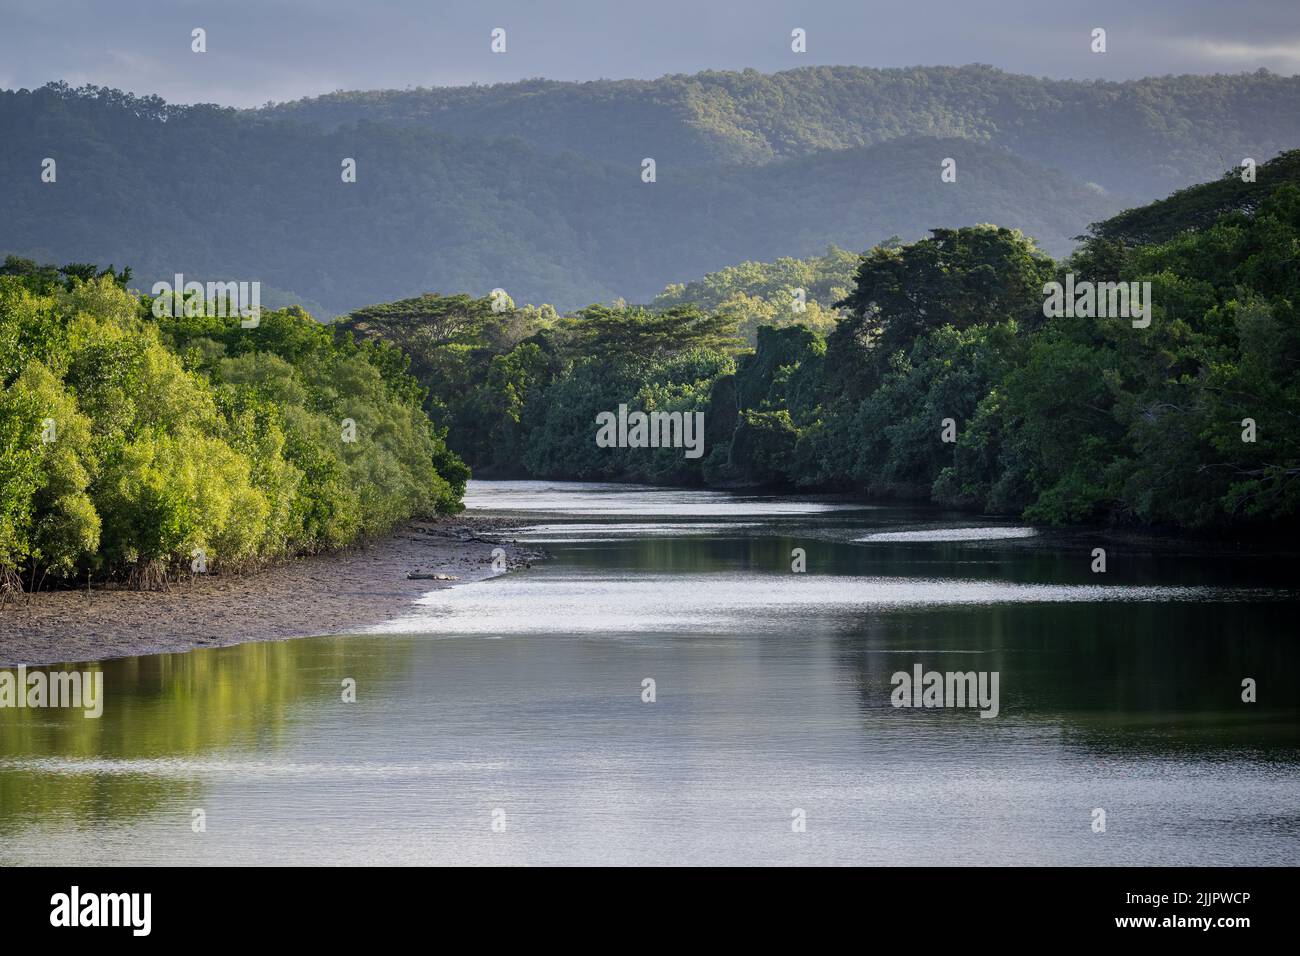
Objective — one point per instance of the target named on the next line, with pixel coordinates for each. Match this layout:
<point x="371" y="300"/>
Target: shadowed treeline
<point x="944" y="377"/>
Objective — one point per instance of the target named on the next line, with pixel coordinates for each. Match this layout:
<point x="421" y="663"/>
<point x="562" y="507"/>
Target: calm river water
<point x="504" y="722"/>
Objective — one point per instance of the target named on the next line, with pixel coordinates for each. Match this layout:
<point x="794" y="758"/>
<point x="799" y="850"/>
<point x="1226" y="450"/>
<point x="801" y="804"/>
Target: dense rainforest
<point x="134" y="447"/>
<point x="538" y="187"/>
<point x="924" y="369"/>
<point x="134" y="443"/>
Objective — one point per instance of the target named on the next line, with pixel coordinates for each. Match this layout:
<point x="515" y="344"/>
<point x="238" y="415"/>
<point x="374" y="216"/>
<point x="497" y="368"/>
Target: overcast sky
<point x="260" y="50"/>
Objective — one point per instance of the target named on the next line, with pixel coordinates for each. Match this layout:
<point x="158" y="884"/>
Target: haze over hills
<point x="1143" y="138"/>
<point x="536" y="187"/>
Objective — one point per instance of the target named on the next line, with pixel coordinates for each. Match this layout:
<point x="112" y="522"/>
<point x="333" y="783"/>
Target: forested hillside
<point x="1141" y="138"/>
<point x="537" y="187"/>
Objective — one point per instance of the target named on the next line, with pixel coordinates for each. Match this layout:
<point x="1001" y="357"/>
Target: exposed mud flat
<point x="303" y="597"/>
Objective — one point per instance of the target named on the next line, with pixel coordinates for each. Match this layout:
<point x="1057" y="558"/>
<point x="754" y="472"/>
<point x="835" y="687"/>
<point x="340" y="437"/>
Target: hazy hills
<point x="1142" y="138"/>
<point x="536" y="187"/>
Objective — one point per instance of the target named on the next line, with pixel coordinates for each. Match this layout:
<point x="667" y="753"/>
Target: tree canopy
<point x="132" y="446"/>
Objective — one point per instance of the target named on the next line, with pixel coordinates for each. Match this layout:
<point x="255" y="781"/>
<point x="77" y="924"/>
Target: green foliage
<point x="519" y="389"/>
<point x="958" y="278"/>
<point x="756" y="294"/>
<point x="627" y="331"/>
<point x="562" y="424"/>
<point x="128" y="443"/>
<point x="46" y="465"/>
<point x="762" y="378"/>
<point x="763" y="446"/>
<point x="1101" y="421"/>
<point x="44" y="279"/>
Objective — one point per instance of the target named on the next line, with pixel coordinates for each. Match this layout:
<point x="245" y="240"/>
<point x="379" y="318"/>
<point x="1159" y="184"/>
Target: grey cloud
<point x="263" y="50"/>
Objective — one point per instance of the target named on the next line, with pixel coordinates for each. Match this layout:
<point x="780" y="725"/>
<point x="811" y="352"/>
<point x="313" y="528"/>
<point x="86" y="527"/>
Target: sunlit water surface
<point x="520" y="700"/>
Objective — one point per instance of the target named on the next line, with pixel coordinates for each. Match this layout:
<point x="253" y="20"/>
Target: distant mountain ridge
<point x="1142" y="137"/>
<point x="536" y="187"/>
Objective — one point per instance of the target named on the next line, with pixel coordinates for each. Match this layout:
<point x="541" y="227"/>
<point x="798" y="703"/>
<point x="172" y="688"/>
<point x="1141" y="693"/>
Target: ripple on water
<point x="951" y="534"/>
<point x="580" y="602"/>
<point x="613" y="500"/>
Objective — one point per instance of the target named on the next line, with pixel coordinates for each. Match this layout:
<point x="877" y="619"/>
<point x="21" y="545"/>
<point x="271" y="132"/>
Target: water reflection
<point x="164" y="715"/>
<point x="523" y="693"/>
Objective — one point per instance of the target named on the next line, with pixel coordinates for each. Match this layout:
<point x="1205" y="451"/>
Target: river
<point x="510" y="722"/>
